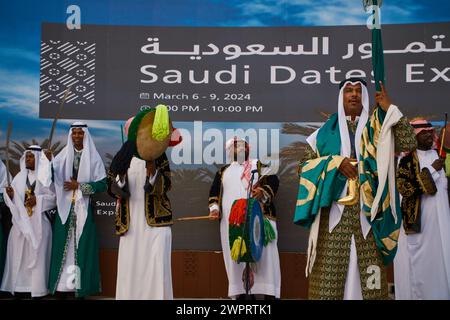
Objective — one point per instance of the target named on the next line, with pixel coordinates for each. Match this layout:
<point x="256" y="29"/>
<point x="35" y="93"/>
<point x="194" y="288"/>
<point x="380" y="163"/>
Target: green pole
<point x="377" y="51"/>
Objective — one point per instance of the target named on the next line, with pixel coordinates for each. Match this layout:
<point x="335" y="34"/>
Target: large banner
<point x="268" y="77"/>
<point x="275" y="74"/>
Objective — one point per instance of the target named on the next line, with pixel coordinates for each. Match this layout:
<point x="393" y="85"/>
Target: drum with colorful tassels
<point x="249" y="243"/>
<point x="151" y="131"/>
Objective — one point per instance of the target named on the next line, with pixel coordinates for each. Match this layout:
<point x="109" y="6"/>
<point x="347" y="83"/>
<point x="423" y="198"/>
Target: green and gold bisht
<point x="386" y="223"/>
<point x="321" y="183"/>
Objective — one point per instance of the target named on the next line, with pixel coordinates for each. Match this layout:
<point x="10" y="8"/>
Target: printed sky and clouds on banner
<point x="20" y="42"/>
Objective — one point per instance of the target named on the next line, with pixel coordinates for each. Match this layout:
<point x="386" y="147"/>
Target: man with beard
<point x="78" y="173"/>
<point x="232" y="182"/>
<point x="422" y="264"/>
<point x="350" y="241"/>
<point x="29" y="243"/>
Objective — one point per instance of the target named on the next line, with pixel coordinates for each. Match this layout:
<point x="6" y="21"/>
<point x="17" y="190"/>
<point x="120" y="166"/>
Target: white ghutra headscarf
<point x="30" y="227"/>
<point x="336" y="209"/>
<point x="91" y="169"/>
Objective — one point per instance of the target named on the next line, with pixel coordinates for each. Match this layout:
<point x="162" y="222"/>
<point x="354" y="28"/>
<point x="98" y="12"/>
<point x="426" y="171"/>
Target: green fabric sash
<point x="377" y="54"/>
<point x="329" y="138"/>
<point x="87" y="256"/>
<point x="384" y="228"/>
<point x="321" y="183"/>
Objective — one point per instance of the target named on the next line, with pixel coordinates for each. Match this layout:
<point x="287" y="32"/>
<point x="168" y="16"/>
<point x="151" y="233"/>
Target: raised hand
<point x="382" y="98"/>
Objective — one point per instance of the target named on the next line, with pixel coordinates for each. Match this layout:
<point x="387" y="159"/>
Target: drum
<point x="149" y="134"/>
<point x="248" y="243"/>
<point x="147" y="146"/>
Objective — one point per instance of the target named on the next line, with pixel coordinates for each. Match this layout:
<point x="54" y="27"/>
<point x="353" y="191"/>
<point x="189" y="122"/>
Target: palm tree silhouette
<point x="109" y="157"/>
<point x="291" y="154"/>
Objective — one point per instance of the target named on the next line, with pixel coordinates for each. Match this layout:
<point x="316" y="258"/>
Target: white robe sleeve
<point x="45" y="171"/>
<point x="435" y="174"/>
<point x="214" y="207"/>
<point x="152" y="179"/>
<point x="120" y="183"/>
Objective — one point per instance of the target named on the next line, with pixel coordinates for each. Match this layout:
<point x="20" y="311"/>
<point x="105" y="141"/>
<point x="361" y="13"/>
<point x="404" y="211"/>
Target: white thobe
<point x="27" y="266"/>
<point x="144" y="264"/>
<point x="422" y="263"/>
<point x="267" y="276"/>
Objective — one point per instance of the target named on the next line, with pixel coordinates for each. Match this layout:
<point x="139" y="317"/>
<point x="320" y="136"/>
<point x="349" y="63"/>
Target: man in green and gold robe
<point x="78" y="173"/>
<point x="352" y="241"/>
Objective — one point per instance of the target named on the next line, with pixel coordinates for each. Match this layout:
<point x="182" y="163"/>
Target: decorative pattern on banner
<point x="65" y="64"/>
